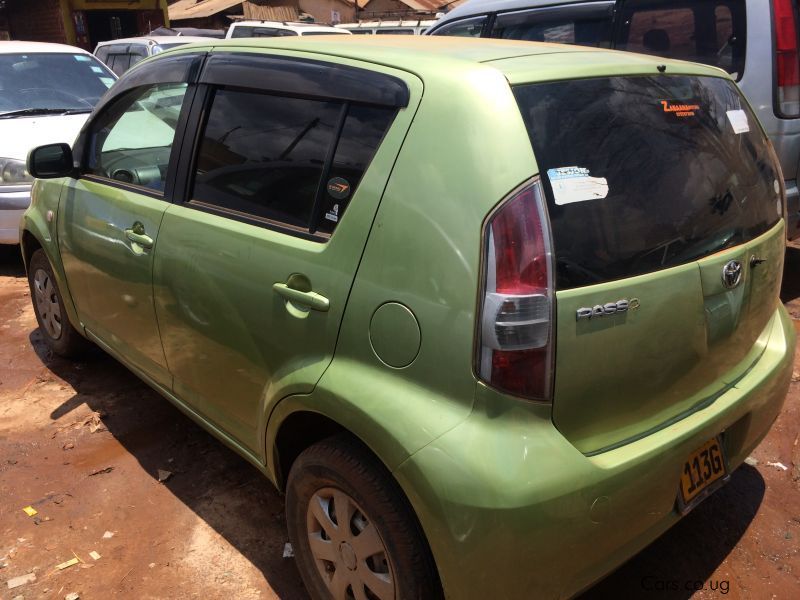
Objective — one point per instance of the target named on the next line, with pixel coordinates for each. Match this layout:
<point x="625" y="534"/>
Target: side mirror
<point x="51" y="161"/>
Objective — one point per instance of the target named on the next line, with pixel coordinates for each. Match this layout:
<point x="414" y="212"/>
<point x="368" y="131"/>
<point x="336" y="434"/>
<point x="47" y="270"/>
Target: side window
<point x="102" y="54"/>
<point x="119" y="63"/>
<point x="560" y="26"/>
<point x="707" y="31"/>
<point x="132" y="141"/>
<point x="267" y="158"/>
<point x="463" y="28"/>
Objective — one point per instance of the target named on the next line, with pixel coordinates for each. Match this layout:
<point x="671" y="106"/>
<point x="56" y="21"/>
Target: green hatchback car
<point x="472" y="304"/>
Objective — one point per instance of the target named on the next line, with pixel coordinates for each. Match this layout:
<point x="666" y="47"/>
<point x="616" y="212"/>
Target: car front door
<point x="109" y="216"/>
<point x="254" y="266"/>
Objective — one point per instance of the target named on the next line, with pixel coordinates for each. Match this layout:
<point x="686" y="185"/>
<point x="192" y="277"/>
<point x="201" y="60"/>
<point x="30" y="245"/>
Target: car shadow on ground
<point x="220" y="487"/>
<point x="790" y="292"/>
<point x="11" y="264"/>
<point x="679" y="563"/>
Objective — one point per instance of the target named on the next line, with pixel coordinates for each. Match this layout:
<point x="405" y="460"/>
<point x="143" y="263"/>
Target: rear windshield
<point x="706" y="31"/>
<point x="645" y="173"/>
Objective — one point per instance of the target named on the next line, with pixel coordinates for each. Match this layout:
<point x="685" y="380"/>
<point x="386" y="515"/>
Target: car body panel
<point x="569" y="518"/>
<point x="111" y="276"/>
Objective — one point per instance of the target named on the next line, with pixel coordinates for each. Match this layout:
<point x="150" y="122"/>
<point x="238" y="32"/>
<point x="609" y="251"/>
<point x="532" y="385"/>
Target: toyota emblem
<point x="732" y="274"/>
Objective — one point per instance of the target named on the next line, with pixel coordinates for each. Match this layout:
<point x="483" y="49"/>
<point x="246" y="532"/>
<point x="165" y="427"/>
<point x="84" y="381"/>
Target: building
<point x="218" y="14"/>
<point x="405" y="9"/>
<point x="81" y="23"/>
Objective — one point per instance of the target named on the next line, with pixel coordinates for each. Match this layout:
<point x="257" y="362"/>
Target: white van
<point x="251" y="29"/>
<point x="46" y="94"/>
<point x="415" y="27"/>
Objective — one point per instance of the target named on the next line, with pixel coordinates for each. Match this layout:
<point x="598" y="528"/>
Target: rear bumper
<point x="12" y="205"/>
<point x="512" y="510"/>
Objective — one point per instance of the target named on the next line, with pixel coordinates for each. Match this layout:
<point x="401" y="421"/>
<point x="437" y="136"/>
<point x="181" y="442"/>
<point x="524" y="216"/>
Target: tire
<point x="48" y="304"/>
<point x="392" y="561"/>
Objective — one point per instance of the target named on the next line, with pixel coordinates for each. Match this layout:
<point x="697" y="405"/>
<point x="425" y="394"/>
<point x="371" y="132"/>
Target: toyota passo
<point x="493" y="315"/>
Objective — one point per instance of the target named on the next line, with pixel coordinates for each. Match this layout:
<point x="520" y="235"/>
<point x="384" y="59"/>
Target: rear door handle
<point x="311" y="300"/>
<point x="145" y="241"/>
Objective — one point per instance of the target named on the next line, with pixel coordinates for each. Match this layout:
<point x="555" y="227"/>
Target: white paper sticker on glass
<point x="738" y="119"/>
<point x="574" y="184"/>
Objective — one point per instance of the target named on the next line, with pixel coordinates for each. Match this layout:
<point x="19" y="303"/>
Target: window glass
<point x="362" y="134"/>
<point x="247" y="32"/>
<point x="645" y="173"/>
<point x="132" y="141"/>
<point x="119" y="63"/>
<point x="102" y="54"/>
<point x="395" y="32"/>
<point x="707" y="31"/>
<point x="73" y="82"/>
<point x="562" y="26"/>
<point x="263" y="155"/>
<point x="463" y="28"/>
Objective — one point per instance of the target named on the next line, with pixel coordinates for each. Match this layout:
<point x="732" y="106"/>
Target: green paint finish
<point x="494" y="480"/>
<point x="394" y="334"/>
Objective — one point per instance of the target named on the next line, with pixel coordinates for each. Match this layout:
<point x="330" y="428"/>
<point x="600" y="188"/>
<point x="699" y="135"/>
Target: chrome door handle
<point x="755" y="261"/>
<point x="310" y="299"/>
<point x="145" y="241"/>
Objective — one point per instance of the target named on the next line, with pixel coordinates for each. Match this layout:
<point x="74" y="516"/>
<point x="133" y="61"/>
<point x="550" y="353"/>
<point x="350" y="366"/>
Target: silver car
<point x="754" y="40"/>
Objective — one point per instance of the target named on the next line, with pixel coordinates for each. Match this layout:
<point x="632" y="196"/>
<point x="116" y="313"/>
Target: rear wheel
<point x="58" y="333"/>
<point x="354" y="535"/>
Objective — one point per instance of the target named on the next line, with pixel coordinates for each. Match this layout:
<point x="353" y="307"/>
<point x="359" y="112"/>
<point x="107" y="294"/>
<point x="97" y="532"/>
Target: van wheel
<point x="58" y="333"/>
<point x="354" y="535"/>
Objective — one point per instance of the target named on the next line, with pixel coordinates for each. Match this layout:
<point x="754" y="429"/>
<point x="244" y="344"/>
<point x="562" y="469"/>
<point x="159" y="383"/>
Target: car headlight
<point x="13" y="172"/>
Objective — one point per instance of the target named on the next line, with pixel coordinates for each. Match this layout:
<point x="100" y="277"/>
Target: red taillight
<point x="787" y="59"/>
<point x="516" y="324"/>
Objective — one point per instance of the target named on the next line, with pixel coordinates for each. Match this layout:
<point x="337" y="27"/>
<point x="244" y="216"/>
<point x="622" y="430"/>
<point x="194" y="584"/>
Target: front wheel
<point x="354" y="534"/>
<point x="48" y="304"/>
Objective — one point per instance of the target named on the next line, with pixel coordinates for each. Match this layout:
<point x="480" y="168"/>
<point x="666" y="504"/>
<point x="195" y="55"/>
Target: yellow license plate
<point x="703" y="467"/>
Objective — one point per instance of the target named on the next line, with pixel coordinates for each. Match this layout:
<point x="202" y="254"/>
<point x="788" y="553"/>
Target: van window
<point x="254" y="32"/>
<point x="471" y="27"/>
<point x="586" y="25"/>
<point x="645" y="173"/>
<point x="707" y="31"/>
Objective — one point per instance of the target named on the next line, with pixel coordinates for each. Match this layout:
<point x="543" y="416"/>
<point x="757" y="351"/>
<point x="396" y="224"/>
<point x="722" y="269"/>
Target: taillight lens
<point x="787" y="59"/>
<point x="516" y="338"/>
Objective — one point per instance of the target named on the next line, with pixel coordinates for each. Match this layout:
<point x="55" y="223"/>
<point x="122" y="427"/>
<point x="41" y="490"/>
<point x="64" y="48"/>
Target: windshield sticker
<point x="574" y="184"/>
<point x="333" y="214"/>
<point x="81" y="57"/>
<point x="97" y="69"/>
<point x="680" y="110"/>
<point x="738" y="119"/>
<point x="108" y="81"/>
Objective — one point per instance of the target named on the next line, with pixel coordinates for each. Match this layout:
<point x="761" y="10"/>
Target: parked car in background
<point x="254" y="238"/>
<point x="190" y="31"/>
<point x="46" y="93"/>
<point x="120" y="55"/>
<point x="408" y="27"/>
<point x="255" y="29"/>
<point x="756" y="41"/>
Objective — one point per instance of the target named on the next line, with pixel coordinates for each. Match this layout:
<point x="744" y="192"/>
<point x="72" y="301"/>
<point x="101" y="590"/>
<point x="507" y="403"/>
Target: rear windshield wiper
<point x="26" y="112"/>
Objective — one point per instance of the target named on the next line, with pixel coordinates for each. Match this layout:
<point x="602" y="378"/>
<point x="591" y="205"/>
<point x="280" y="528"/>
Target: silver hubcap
<point x="347" y="548"/>
<point x="47" y="303"/>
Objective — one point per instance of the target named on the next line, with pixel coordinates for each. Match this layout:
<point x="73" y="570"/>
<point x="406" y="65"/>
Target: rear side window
<point x="293" y="162"/>
<point x="645" y="173"/>
<point x="463" y="28"/>
<point x="707" y="31"/>
<point x="561" y="25"/>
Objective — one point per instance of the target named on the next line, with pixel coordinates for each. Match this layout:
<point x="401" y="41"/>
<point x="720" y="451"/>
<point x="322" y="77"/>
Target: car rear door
<point x="665" y="198"/>
<point x="255" y="264"/>
<point x="109" y="217"/>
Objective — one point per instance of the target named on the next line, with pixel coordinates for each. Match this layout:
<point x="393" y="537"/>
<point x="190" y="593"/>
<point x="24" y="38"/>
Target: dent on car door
<point x="109" y="221"/>
<point x="250" y="277"/>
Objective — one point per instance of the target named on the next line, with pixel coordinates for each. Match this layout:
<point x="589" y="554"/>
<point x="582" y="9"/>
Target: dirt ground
<point x="83" y="443"/>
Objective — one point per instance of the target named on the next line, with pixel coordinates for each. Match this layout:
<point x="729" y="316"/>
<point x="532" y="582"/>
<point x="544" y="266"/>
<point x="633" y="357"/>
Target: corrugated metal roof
<point x="195" y="9"/>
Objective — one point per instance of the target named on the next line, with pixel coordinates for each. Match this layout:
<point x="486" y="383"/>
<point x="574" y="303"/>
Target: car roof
<point x="156" y="39"/>
<point x="38" y="47"/>
<point x="480" y="7"/>
<point x="431" y="55"/>
<point x="283" y="25"/>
